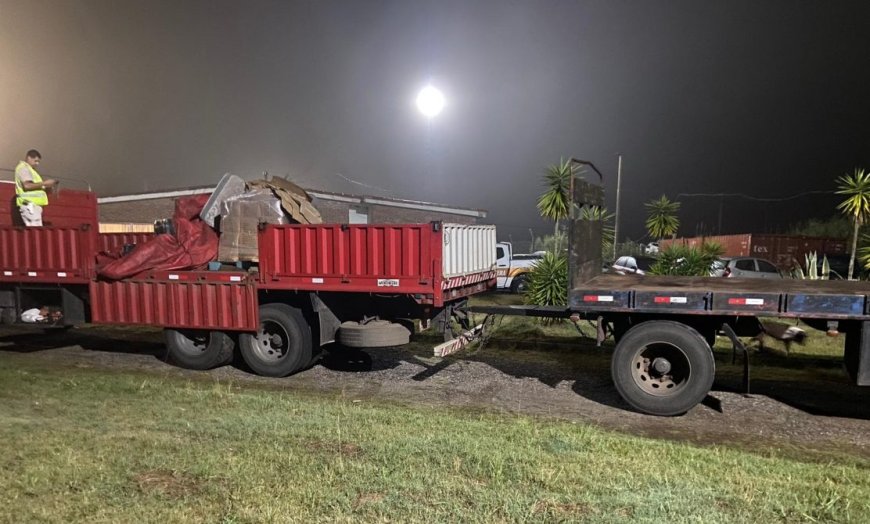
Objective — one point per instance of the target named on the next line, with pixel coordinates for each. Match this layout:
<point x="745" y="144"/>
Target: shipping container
<point x="783" y="250"/>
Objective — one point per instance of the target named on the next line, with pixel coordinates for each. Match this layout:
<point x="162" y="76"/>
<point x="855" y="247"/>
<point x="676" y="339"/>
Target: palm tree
<point x="554" y="202"/>
<point x="662" y="220"/>
<point x="856" y="206"/>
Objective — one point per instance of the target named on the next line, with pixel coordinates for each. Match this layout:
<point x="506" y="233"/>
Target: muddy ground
<point x="799" y="405"/>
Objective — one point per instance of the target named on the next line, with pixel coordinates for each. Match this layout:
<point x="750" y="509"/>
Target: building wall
<point x="333" y="212"/>
<point x="398" y="215"/>
<point x="137" y="211"/>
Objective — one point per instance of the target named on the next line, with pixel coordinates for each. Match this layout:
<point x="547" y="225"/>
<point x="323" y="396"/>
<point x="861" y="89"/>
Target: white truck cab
<point x="512" y="269"/>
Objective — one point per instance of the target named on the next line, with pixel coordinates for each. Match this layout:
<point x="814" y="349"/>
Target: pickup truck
<point x="512" y="268"/>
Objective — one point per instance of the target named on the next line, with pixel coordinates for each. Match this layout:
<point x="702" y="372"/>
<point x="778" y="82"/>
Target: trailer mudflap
<point x="857" y="358"/>
<point x="829" y="304"/>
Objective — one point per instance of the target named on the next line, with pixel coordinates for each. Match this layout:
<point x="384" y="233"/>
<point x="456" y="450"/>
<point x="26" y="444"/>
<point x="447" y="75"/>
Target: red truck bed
<point x="434" y="262"/>
<point x="430" y="263"/>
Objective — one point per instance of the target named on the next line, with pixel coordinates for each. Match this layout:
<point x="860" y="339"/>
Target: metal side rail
<point x="522" y="311"/>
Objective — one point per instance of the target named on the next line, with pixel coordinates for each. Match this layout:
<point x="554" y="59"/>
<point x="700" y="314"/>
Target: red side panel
<point x="45" y="254"/>
<point x="68" y="208"/>
<point x="182" y="304"/>
<point x="112" y="241"/>
<point x="363" y="258"/>
<point x="62" y="251"/>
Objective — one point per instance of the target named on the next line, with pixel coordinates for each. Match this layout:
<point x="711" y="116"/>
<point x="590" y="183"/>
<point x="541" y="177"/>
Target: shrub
<point x="687" y="261"/>
<point x="548" y="281"/>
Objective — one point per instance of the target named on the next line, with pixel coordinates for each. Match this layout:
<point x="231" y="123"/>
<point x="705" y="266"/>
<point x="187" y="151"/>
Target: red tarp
<point x="194" y="245"/>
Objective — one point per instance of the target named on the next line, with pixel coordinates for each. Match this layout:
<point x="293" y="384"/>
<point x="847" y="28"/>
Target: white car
<point x="631" y="265"/>
<point x="745" y="267"/>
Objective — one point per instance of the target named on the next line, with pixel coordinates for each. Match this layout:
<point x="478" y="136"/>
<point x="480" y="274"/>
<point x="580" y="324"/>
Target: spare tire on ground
<point x="373" y="334"/>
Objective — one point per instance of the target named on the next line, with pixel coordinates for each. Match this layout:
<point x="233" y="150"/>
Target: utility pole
<point x="618" y="189"/>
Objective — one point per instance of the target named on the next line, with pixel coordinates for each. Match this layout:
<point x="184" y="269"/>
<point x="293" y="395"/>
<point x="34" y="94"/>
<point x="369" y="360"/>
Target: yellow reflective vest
<point x="38" y="197"/>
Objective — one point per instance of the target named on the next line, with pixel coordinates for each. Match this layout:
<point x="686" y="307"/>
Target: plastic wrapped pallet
<point x="230" y="186"/>
<point x="240" y="219"/>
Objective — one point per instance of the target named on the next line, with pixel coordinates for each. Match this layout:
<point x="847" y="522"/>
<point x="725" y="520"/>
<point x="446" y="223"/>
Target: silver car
<point x="745" y="267"/>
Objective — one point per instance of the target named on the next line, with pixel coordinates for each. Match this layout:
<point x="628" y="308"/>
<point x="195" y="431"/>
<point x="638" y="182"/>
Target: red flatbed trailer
<point x="312" y="284"/>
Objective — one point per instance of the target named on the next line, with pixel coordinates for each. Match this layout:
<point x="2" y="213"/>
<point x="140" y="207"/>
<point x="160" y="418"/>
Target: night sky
<point x="765" y="98"/>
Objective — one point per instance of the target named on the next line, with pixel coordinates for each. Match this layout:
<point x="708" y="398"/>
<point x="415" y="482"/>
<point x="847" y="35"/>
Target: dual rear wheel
<point x="282" y="346"/>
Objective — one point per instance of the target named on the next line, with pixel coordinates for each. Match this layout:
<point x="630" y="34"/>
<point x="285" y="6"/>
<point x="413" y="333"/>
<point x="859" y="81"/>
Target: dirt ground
<point x="805" y="408"/>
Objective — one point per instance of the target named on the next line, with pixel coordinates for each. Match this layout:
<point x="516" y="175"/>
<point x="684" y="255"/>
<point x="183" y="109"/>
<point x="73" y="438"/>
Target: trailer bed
<point x="834" y="299"/>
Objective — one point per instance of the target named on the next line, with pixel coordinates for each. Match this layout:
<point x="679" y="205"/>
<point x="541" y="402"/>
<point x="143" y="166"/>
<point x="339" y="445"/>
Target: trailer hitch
<point x="736" y="345"/>
<point x="479" y="333"/>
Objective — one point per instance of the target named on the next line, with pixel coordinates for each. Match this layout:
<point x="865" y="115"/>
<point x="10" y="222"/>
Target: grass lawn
<point x="97" y="446"/>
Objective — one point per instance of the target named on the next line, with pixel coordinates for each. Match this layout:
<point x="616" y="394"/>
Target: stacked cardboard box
<point x="240" y="220"/>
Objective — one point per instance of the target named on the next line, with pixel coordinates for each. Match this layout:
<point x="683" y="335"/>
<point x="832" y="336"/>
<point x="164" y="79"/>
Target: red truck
<point x="314" y="284"/>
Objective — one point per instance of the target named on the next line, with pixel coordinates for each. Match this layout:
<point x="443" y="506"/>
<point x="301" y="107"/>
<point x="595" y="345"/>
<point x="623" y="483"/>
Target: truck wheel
<point x="283" y="344"/>
<point x="519" y="284"/>
<point x="375" y="334"/>
<point x="663" y="367"/>
<point x="199" y="349"/>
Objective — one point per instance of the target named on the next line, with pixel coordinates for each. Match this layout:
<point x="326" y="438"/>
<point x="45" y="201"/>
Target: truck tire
<point x="283" y="344"/>
<point x="519" y="284"/>
<point x="199" y="349"/>
<point x="375" y="334"/>
<point x="663" y="367"/>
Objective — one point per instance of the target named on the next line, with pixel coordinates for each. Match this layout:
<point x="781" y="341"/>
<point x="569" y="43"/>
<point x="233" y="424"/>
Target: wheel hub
<point x="661" y="365"/>
<point x="272" y="341"/>
<point x="660" y="369"/>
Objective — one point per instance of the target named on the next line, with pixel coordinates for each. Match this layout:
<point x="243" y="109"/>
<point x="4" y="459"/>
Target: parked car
<point x="840" y="267"/>
<point x="632" y="265"/>
<point x="745" y="267"/>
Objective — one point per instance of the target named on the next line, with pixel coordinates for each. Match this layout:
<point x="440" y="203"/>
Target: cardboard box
<point x="240" y="221"/>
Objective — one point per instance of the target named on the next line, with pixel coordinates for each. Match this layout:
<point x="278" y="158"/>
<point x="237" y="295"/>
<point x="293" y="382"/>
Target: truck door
<point x="767" y="269"/>
<point x="502" y="264"/>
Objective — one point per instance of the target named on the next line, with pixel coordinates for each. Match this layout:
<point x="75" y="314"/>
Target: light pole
<point x="618" y="191"/>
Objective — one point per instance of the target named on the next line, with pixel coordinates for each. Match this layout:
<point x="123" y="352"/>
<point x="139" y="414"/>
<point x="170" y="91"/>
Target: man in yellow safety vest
<point x="30" y="189"/>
